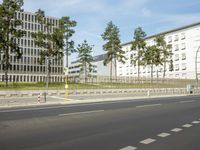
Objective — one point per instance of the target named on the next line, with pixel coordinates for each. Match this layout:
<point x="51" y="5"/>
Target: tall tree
<point x="152" y="58"/>
<point x="67" y="26"/>
<point x="85" y="59"/>
<point x="112" y="47"/>
<point x="50" y="40"/>
<point x="9" y="32"/>
<point x="166" y="52"/>
<point x="138" y="45"/>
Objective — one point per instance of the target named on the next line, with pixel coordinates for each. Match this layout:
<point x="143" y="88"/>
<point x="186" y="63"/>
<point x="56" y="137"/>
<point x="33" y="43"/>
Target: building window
<point x="176" y="57"/>
<point x="176" y="47"/>
<point x="176" y="67"/>
<point x="183" y="56"/>
<point x="176" y="38"/>
<point x="169" y="39"/>
<point x="183" y="46"/>
<point x="184" y="66"/>
<point x="182" y="36"/>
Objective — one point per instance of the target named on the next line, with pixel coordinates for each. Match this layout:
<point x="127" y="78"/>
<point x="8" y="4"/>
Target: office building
<point x="184" y="40"/>
<point x="28" y="69"/>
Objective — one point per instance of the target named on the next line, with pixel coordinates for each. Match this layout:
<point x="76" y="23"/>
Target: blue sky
<point x="92" y="16"/>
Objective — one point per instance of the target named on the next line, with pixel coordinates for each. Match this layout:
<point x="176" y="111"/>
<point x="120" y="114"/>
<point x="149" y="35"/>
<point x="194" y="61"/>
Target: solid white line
<point x="163" y="135"/>
<point x="79" y="113"/>
<point x="187" y="126"/>
<point x="147" y="141"/>
<point x="176" y="130"/>
<point x="196" y="122"/>
<point x="148" y="105"/>
<point x="129" y="148"/>
<point x="188" y="101"/>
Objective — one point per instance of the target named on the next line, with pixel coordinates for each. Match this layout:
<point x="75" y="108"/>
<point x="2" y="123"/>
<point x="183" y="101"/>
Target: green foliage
<point x="50" y="42"/>
<point x="66" y="26"/>
<point x="85" y="58"/>
<point x="139" y="46"/>
<point x="9" y="34"/>
<point x="166" y="53"/>
<point x="113" y="45"/>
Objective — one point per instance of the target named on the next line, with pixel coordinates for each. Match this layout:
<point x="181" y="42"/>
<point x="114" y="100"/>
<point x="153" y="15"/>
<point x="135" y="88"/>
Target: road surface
<point x="154" y="124"/>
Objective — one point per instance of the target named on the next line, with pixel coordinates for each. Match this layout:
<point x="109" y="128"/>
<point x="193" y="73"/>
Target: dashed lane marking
<point x="176" y="130"/>
<point x="187" y="126"/>
<point x="163" y="135"/>
<point x="79" y="113"/>
<point x="188" y="101"/>
<point x="147" y="141"/>
<point x="148" y="105"/>
<point x="129" y="148"/>
<point x="196" y="122"/>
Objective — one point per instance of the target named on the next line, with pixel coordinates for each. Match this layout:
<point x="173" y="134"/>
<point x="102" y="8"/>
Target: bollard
<point x="148" y="93"/>
<point x="39" y="98"/>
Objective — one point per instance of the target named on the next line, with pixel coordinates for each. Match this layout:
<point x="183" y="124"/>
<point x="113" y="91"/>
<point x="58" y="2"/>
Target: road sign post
<point x="66" y="83"/>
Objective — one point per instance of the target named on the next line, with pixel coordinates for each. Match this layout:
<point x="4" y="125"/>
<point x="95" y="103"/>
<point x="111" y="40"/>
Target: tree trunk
<point x="111" y="71"/>
<point x="151" y="73"/>
<point x="164" y="72"/>
<point x="115" y="68"/>
<point x="85" y="71"/>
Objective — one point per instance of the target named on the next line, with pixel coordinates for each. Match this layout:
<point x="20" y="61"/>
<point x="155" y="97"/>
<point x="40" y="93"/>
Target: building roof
<point x="95" y="58"/>
<point x="168" y="31"/>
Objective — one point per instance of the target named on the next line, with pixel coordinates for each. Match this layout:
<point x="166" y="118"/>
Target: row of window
<point x="20" y="78"/>
<point x="32" y="18"/>
<point x="183" y="57"/>
<point x="33" y="69"/>
<point x="176" y="37"/>
<point x="176" y="47"/>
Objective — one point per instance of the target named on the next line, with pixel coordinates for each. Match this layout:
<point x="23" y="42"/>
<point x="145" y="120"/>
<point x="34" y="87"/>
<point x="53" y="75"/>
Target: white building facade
<point x="28" y="69"/>
<point x="99" y="69"/>
<point x="185" y="41"/>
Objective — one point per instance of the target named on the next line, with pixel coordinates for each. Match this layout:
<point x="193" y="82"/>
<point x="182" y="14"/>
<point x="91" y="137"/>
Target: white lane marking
<point x="176" y="130"/>
<point x="187" y="126"/>
<point x="188" y="101"/>
<point x="129" y="148"/>
<point x="79" y="113"/>
<point x="196" y="122"/>
<point x="148" y="105"/>
<point x="163" y="135"/>
<point x="147" y="141"/>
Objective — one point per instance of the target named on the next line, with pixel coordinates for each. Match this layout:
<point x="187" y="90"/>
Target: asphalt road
<point x="154" y="124"/>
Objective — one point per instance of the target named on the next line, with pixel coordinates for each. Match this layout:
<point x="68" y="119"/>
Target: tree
<point x="112" y="47"/>
<point x="85" y="58"/>
<point x="66" y="25"/>
<point x="50" y="41"/>
<point x="152" y="58"/>
<point x="138" y="45"/>
<point x="9" y="32"/>
<point x="166" y="53"/>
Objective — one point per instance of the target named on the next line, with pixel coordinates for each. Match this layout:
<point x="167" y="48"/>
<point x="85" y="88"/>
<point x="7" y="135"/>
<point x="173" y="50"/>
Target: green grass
<point x="60" y="86"/>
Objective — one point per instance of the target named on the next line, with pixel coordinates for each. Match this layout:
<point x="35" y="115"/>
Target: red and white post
<point x="39" y="98"/>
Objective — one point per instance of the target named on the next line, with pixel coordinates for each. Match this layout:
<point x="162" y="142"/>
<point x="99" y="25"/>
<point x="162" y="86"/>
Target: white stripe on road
<point x="176" y="130"/>
<point x="129" y="148"/>
<point x="188" y="101"/>
<point x="163" y="135"/>
<point x="147" y="141"/>
<point x="187" y="126"/>
<point x="79" y="113"/>
<point x="142" y="106"/>
<point x="196" y="122"/>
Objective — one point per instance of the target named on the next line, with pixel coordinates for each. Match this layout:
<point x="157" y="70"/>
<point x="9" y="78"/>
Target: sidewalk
<point x="33" y="101"/>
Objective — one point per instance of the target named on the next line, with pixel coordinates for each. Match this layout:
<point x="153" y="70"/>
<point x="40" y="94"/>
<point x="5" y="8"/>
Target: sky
<point x="92" y="16"/>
